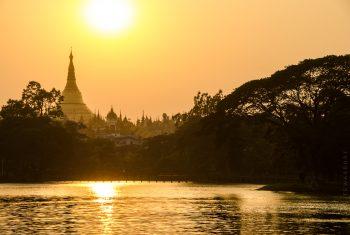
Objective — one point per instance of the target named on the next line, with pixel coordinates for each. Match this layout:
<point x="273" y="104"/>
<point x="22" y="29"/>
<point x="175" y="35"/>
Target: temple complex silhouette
<point x="119" y="129"/>
<point x="73" y="106"/>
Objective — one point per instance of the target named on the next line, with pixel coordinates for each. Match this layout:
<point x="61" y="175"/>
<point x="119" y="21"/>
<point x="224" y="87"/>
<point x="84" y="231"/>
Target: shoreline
<point x="295" y="187"/>
<point x="325" y="189"/>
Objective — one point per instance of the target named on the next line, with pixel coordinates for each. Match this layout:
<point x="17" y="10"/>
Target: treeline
<point x="294" y="124"/>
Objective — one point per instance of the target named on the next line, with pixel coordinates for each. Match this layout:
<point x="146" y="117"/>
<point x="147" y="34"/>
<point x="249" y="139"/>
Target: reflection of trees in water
<point x="305" y="223"/>
<point x="36" y="215"/>
<point x="219" y="215"/>
<point x="252" y="212"/>
<point x="258" y="211"/>
<point x="20" y="217"/>
<point x="271" y="215"/>
<point x="69" y="218"/>
<point x="314" y="215"/>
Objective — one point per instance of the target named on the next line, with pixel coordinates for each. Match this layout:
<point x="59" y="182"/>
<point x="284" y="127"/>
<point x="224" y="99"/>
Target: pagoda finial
<point x="71" y="54"/>
<point x="71" y="72"/>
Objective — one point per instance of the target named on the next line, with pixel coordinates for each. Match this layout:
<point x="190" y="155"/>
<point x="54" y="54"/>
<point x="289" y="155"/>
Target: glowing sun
<point x="109" y="16"/>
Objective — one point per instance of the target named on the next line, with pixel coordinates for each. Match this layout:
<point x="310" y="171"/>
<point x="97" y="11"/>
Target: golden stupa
<point x="73" y="106"/>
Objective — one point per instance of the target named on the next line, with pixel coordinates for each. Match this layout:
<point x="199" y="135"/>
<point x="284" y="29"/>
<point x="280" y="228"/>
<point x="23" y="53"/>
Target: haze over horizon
<point x="171" y="50"/>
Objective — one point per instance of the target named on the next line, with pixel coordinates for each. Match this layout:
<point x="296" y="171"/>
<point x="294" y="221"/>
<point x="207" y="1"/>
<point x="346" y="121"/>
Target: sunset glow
<point x="174" y="117"/>
<point x="104" y="190"/>
<point x="109" y="16"/>
<point x="156" y="55"/>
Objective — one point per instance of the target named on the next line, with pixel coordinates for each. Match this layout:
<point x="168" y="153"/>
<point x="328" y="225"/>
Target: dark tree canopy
<point x="35" y="102"/>
<point x="295" y="123"/>
<point x="310" y="102"/>
<point x="306" y="92"/>
<point x="203" y="105"/>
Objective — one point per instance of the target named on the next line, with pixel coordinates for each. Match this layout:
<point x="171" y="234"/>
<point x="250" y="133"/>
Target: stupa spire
<point x="73" y="106"/>
<point x="71" y="70"/>
<point x="71" y="54"/>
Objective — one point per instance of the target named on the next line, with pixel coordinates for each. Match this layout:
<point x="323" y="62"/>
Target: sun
<point x="109" y="16"/>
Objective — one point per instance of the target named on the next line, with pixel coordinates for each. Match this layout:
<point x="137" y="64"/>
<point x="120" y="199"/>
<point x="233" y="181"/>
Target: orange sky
<point x="173" y="49"/>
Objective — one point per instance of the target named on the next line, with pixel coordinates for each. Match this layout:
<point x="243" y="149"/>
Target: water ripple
<point x="142" y="208"/>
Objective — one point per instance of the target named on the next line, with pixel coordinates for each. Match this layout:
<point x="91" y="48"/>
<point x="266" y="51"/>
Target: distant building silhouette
<point x="73" y="106"/>
<point x="112" y="120"/>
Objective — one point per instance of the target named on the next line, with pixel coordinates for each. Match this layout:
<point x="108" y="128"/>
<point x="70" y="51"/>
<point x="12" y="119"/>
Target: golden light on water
<point x="105" y="193"/>
<point x="104" y="190"/>
<point x="109" y="16"/>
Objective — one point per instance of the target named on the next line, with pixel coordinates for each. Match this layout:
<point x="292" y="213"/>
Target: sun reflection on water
<point x="104" y="190"/>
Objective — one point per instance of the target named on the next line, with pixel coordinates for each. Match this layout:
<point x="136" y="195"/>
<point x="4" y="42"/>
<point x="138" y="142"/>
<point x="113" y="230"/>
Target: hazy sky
<point x="173" y="49"/>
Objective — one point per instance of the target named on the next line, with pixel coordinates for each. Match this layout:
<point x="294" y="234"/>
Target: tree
<point x="35" y="102"/>
<point x="44" y="103"/>
<point x="16" y="109"/>
<point x="204" y="105"/>
<point x="302" y="100"/>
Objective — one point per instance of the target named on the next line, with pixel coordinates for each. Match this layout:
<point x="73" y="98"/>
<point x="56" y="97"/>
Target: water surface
<point x="165" y="208"/>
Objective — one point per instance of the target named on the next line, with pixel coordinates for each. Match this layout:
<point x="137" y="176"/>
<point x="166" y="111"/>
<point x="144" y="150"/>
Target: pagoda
<point x="72" y="105"/>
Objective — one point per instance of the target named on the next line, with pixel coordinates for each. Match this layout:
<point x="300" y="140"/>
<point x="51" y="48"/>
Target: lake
<point x="166" y="208"/>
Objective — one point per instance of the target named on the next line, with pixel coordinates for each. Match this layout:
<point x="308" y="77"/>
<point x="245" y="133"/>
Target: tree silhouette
<point x="35" y="102"/>
<point x="204" y="105"/>
<point x="303" y="100"/>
